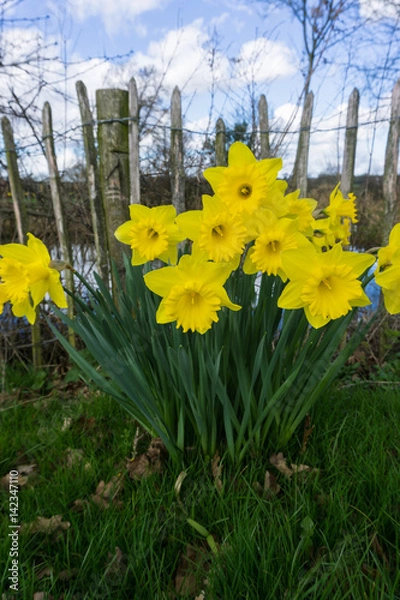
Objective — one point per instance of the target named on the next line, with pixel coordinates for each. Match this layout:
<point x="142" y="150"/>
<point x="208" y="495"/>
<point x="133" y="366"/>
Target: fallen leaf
<point x="73" y="457"/>
<point x="26" y="474"/>
<point x="116" y="564"/>
<point x="308" y="429"/>
<point x="45" y="572"/>
<point x="106" y="494"/>
<point x="66" y="423"/>
<point x="148" y="463"/>
<point x="279" y="461"/>
<point x="216" y="469"/>
<point x="178" y="483"/>
<point x="270" y="484"/>
<point x="189" y="576"/>
<point x="54" y="525"/>
<point x="67" y="574"/>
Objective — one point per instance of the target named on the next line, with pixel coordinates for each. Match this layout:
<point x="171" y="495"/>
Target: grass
<point x="326" y="535"/>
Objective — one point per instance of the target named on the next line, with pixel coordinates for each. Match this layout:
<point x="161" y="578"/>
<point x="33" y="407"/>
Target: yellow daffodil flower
<point x="328" y="232"/>
<point x="244" y="184"/>
<point x="387" y="275"/>
<point x="275" y="236"/>
<point x="215" y="230"/>
<point x="341" y="207"/>
<point x="303" y="209"/>
<point x="325" y="284"/>
<point x="26" y="276"/>
<point x="192" y="293"/>
<point x="151" y="233"/>
<point x="386" y="254"/>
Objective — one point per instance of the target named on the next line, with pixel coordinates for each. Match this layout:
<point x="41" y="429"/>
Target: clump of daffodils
<point x="250" y="223"/>
<point x="27" y="274"/>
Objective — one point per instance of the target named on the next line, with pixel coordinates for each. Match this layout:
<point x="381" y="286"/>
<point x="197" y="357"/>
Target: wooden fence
<point x="113" y="176"/>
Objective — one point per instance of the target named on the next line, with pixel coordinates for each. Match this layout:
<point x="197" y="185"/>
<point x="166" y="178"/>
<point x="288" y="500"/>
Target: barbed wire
<point x="150" y="127"/>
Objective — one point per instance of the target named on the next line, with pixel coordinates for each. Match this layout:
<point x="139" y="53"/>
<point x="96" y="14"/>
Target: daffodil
<point x="328" y="232"/>
<point x="151" y="233"/>
<point x="275" y="236"/>
<point x="325" y="284"/>
<point x="341" y="207"/>
<point x="27" y="274"/>
<point x="192" y="293"/>
<point x="387" y="275"/>
<point x="244" y="184"/>
<point x="302" y="209"/>
<point x="386" y="254"/>
<point x="218" y="232"/>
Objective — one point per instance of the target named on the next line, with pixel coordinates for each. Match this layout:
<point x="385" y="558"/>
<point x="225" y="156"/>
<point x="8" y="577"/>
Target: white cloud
<point x="114" y="14"/>
<point x="262" y="60"/>
<point x="379" y="9"/>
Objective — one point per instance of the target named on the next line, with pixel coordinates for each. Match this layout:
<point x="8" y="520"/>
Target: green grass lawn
<point x="329" y="532"/>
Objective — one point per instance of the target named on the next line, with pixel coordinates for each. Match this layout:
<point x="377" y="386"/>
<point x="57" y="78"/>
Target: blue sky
<point x="178" y="39"/>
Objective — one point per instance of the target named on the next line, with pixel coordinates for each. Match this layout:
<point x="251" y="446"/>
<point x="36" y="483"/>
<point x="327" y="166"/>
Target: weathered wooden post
<point x="177" y="165"/>
<point x="92" y="173"/>
<point x="391" y="166"/>
<point x="265" y="150"/>
<point x="220" y="144"/>
<point x="21" y="219"/>
<point x="134" y="158"/>
<point x="17" y="193"/>
<point x="58" y="207"/>
<point x="112" y="117"/>
<point x="299" y="177"/>
<point x="350" y="144"/>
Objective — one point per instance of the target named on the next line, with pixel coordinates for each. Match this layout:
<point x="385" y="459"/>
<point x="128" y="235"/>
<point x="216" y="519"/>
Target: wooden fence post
<point x="92" y="172"/>
<point x="58" y="207"/>
<point x="21" y="219"/>
<point x="134" y="157"/>
<point x="177" y="166"/>
<point x="17" y="192"/>
<point x="300" y="172"/>
<point x="112" y="116"/>
<point x="391" y="165"/>
<point x="220" y="144"/>
<point x="265" y="150"/>
<point x="350" y="144"/>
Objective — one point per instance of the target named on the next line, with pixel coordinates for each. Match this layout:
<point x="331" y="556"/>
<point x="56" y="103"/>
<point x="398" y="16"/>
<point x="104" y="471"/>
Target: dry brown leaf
<point x="26" y="474"/>
<point x="79" y="505"/>
<point x="116" y="564"/>
<point x="270" y="484"/>
<point x="106" y="494"/>
<point x="54" y="525"/>
<point x="216" y="469"/>
<point x="148" y="463"/>
<point x="178" y="483"/>
<point x="67" y="574"/>
<point x="73" y="457"/>
<point x="308" y="429"/>
<point x="67" y="422"/>
<point x="42" y="596"/>
<point x="279" y="461"/>
<point x="193" y="563"/>
<point x="45" y="572"/>
<point x="270" y="488"/>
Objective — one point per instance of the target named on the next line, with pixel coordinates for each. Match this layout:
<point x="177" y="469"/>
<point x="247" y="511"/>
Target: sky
<point x="219" y="53"/>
